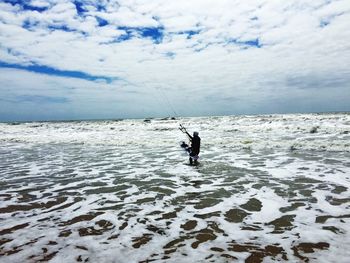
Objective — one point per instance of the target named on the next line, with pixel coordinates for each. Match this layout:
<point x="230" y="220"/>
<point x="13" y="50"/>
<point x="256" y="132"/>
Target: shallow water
<point x="123" y="192"/>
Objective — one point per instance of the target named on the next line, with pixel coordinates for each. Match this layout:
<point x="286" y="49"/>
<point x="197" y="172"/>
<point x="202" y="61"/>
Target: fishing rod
<point x="183" y="130"/>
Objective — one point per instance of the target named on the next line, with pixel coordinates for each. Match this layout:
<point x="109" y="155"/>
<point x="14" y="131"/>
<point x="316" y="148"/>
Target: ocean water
<point x="268" y="188"/>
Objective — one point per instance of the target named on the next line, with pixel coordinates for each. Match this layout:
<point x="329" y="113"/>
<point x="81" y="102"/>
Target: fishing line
<point x="168" y="101"/>
<point x="162" y="102"/>
<point x="162" y="92"/>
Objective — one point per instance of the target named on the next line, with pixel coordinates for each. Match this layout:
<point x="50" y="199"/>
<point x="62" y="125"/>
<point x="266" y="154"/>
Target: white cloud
<point x="39" y="3"/>
<point x="76" y="98"/>
<point x="207" y="47"/>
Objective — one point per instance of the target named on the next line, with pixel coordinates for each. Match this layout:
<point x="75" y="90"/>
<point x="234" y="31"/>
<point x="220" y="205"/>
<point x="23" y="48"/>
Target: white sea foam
<point x="294" y="131"/>
<point x="121" y="192"/>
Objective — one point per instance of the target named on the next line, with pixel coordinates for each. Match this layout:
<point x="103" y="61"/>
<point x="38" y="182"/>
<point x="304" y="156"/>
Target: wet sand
<point x="68" y="202"/>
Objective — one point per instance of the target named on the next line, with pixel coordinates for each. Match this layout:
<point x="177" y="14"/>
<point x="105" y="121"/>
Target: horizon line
<point x="170" y="117"/>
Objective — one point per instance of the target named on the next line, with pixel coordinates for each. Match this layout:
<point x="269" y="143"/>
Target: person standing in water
<point x="195" y="146"/>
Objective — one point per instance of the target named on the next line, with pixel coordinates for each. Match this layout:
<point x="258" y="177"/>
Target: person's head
<point x="195" y="134"/>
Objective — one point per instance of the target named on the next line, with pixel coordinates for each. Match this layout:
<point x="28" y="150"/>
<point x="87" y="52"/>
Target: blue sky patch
<point x="100" y="7"/>
<point x="189" y="33"/>
<point x="25" y="5"/>
<point x="60" y="27"/>
<point x="80" y="7"/>
<point x="155" y="33"/>
<point x="126" y="36"/>
<point x="56" y="72"/>
<point x="101" y="22"/>
<point x="252" y="43"/>
<point x="246" y="44"/>
<point x="28" y="24"/>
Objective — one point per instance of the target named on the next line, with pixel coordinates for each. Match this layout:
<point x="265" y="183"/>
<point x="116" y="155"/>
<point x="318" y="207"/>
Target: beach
<point x="267" y="188"/>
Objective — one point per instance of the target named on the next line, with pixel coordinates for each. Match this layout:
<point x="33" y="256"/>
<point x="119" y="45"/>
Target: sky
<point x="62" y="59"/>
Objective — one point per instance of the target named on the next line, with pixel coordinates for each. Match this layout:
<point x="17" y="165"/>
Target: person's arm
<point x="183" y="129"/>
<point x="189" y="135"/>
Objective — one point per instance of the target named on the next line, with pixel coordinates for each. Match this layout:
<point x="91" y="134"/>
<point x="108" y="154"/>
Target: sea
<point x="268" y="188"/>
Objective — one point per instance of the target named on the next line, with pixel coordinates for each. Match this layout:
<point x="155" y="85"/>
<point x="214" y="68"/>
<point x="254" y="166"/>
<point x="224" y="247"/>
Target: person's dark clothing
<point x="195" y="145"/>
<point x="186" y="147"/>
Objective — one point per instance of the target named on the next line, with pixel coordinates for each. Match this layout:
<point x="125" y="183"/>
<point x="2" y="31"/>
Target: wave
<point x="293" y="132"/>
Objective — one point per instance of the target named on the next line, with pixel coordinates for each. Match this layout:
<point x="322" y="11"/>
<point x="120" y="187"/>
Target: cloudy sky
<point x="62" y="59"/>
